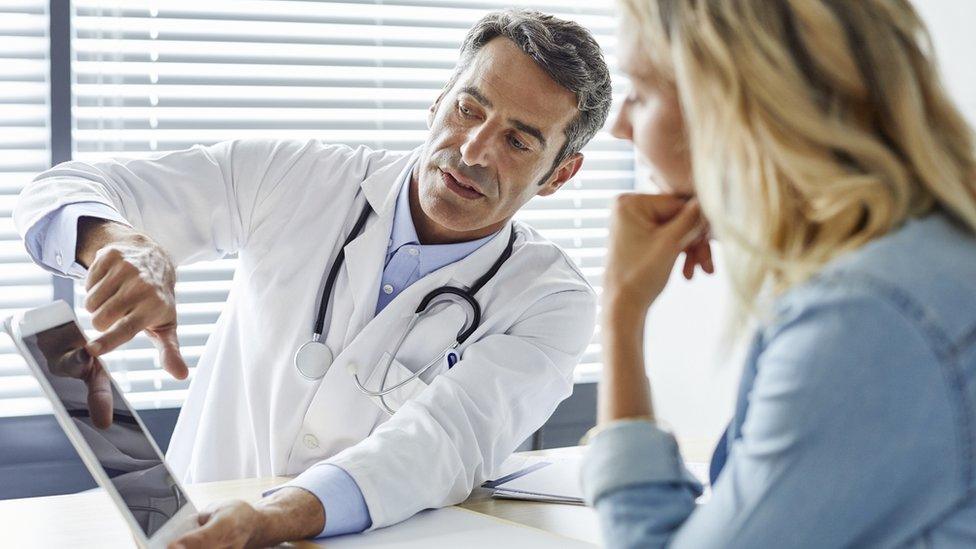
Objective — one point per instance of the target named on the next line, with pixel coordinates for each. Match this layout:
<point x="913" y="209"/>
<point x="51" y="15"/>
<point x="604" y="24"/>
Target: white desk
<point x="90" y="519"/>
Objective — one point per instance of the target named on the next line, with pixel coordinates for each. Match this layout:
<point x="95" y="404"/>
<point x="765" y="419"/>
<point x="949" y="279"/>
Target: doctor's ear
<point x="566" y="170"/>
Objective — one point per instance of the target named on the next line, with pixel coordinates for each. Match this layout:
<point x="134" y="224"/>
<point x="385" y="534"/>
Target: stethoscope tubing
<point x="466" y="295"/>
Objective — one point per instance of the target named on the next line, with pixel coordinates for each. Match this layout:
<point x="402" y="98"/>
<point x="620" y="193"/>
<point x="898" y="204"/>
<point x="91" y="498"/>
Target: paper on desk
<point x="524" y="496"/>
<point x="555" y="479"/>
<point x="515" y="463"/>
<point x="454" y="527"/>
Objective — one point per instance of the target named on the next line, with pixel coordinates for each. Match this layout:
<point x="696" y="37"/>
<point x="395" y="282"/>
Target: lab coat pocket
<point x="398" y="374"/>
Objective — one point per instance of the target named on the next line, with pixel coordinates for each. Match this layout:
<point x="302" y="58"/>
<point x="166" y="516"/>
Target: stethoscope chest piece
<point x="313" y="359"/>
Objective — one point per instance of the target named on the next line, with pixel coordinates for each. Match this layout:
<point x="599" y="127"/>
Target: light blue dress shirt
<point x="52" y="242"/>
<point x="407" y="261"/>
<point x="855" y="424"/>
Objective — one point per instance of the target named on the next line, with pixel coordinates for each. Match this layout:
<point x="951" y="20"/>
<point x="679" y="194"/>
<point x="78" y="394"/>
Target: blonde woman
<point x="818" y="142"/>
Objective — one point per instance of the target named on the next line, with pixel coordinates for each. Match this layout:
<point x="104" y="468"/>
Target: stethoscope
<point x="314" y="358"/>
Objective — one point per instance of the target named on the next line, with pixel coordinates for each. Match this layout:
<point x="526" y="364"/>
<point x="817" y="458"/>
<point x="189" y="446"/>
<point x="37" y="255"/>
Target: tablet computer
<point x="105" y="430"/>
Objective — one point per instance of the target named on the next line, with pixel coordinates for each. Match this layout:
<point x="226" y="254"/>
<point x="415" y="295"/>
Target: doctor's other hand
<point x="647" y="234"/>
<point x="231" y="525"/>
<point x="130" y="288"/>
<point x="290" y="513"/>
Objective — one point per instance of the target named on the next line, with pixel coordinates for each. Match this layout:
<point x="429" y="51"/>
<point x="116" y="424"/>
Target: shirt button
<point x="58" y="258"/>
<point x="387" y="289"/>
<point x="413" y="251"/>
<point x="311" y="442"/>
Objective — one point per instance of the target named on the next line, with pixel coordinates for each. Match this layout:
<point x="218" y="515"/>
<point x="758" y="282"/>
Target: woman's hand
<point x="647" y="234"/>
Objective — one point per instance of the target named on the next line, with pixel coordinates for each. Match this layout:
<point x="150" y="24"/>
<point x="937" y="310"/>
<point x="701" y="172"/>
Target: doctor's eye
<point x="465" y="111"/>
<point x="517" y="143"/>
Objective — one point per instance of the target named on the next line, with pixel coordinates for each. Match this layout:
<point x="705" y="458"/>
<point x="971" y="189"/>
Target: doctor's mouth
<point x="461" y="186"/>
<point x="470" y="182"/>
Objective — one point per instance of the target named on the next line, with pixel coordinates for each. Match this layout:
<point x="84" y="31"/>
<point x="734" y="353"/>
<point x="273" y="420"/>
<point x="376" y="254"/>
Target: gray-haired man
<point x="528" y="93"/>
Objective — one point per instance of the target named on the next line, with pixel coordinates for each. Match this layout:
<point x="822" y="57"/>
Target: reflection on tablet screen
<point x="108" y="425"/>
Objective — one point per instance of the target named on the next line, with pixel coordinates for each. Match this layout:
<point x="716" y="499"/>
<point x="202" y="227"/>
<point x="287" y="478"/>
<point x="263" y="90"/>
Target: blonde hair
<point x="814" y="126"/>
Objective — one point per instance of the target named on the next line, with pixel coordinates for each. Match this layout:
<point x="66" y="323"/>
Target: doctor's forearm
<point x="288" y="514"/>
<point x="624" y="389"/>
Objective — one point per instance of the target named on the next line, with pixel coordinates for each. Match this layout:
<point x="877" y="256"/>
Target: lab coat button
<point x="311" y="442"/>
<point x="58" y="258"/>
<point x="387" y="289"/>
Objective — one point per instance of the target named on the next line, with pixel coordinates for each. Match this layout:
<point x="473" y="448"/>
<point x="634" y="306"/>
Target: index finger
<point x="122" y="331"/>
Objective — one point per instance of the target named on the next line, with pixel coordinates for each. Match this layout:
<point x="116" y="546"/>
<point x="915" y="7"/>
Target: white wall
<point x="693" y="378"/>
<point x="951" y="24"/>
<point x="693" y="382"/>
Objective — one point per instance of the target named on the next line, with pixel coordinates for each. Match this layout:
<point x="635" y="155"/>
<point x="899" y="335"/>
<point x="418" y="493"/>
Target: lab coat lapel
<point x="365" y="255"/>
<point x="470" y="269"/>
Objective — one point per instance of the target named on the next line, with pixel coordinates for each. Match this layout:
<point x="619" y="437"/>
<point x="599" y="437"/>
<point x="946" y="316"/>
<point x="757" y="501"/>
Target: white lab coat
<point x="286" y="207"/>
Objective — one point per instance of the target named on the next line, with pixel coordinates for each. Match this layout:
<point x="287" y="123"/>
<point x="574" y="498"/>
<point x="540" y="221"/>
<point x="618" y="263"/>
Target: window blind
<point x="156" y="76"/>
<point x="24" y="151"/>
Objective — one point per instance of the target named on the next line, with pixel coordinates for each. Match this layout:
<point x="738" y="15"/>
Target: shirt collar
<point x="432" y="256"/>
<point x="404" y="231"/>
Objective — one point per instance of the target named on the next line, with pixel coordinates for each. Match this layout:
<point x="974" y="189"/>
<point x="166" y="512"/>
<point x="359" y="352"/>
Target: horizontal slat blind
<point x="157" y="76"/>
<point x="24" y="151"/>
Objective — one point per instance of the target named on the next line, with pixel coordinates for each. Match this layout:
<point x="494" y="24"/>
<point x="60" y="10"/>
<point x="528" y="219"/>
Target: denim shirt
<point x="855" y="423"/>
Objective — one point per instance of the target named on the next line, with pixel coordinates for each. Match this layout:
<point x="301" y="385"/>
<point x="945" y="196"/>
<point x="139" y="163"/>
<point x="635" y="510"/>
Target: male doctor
<point x="529" y="92"/>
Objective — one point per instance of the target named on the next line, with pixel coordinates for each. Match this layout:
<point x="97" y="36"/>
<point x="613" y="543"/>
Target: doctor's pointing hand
<point x="130" y="288"/>
<point x="387" y="315"/>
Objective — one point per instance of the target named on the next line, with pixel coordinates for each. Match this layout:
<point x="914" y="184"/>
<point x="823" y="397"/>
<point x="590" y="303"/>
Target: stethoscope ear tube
<point x="468" y="297"/>
<point x="334" y="272"/>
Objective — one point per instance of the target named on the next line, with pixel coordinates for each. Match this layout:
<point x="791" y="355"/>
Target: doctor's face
<point x="494" y="137"/>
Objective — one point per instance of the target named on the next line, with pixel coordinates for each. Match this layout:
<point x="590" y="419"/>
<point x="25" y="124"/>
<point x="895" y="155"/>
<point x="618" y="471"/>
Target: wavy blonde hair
<point x="814" y="126"/>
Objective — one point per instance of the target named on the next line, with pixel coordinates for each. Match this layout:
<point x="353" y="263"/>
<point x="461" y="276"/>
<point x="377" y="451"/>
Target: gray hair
<point x="566" y="51"/>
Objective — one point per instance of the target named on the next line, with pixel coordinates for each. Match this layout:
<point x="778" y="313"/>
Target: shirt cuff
<point x="52" y="240"/>
<point x="345" y="507"/>
<point x="632" y="452"/>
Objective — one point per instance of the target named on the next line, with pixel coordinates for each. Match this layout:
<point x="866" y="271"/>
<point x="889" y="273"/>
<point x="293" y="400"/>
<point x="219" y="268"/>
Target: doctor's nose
<point x="475" y="149"/>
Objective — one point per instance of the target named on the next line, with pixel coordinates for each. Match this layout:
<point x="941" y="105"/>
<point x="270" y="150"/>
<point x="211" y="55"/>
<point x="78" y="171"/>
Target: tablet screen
<point x="108" y="425"/>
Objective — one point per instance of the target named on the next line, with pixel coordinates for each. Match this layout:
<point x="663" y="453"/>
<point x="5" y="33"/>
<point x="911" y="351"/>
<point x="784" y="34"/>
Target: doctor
<point x="528" y="93"/>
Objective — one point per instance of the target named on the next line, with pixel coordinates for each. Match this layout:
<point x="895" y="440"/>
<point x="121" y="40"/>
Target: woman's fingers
<point x="705" y="256"/>
<point x="688" y="269"/>
<point x="647" y="235"/>
<point x="687" y="226"/>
